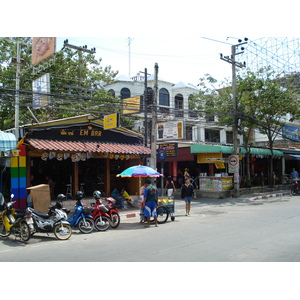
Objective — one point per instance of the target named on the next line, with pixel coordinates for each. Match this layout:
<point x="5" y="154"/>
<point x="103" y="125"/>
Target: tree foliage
<point x="266" y="101"/>
<point x="75" y="77"/>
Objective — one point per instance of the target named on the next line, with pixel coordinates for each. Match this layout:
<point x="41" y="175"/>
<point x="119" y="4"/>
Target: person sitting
<point x="119" y="199"/>
<point x="126" y="196"/>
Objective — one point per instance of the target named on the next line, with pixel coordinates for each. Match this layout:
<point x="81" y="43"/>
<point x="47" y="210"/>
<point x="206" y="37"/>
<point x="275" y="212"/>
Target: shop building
<point x="78" y="154"/>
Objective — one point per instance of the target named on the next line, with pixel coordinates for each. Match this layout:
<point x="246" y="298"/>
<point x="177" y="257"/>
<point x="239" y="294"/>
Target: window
<point x="179" y="105"/>
<point x="164" y="98"/>
<point x="212" y="135"/>
<point x="112" y="92"/>
<point x="229" y="137"/>
<point x="125" y="93"/>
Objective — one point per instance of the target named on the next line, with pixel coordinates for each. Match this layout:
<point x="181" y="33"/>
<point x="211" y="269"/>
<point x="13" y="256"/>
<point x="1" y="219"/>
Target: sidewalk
<point x="134" y="212"/>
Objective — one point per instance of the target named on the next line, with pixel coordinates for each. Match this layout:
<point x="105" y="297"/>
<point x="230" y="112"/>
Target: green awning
<point x="196" y="148"/>
<point x="262" y="151"/>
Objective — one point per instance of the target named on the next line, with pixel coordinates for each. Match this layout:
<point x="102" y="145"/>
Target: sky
<point x="179" y="58"/>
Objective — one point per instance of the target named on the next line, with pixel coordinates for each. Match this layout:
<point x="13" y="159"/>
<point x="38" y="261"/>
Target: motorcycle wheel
<point x="3" y="232"/>
<point x="86" y="225"/>
<point x="115" y="220"/>
<point x="24" y="231"/>
<point x="62" y="231"/>
<point x="293" y="192"/>
<point x="102" y="225"/>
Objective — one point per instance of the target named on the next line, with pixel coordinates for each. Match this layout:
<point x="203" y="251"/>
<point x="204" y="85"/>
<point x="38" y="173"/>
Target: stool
<point x="69" y="190"/>
<point x="82" y="189"/>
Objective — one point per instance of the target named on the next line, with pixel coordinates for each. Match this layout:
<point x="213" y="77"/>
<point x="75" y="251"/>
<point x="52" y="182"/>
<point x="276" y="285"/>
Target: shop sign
<point x="131" y="105"/>
<point x="209" y="158"/>
<point x="110" y="121"/>
<point x="171" y="149"/>
<point x="170" y="130"/>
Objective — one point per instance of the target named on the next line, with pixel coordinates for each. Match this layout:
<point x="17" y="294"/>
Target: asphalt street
<point x="225" y="230"/>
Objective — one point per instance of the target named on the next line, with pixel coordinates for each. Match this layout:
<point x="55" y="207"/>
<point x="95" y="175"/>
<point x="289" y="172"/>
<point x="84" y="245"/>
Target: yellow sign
<point x="209" y="158"/>
<point x="110" y="121"/>
<point x="220" y="165"/>
<point x="131" y="105"/>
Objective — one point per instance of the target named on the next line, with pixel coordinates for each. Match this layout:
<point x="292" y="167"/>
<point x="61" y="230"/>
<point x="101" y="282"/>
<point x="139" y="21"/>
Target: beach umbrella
<point x="139" y="171"/>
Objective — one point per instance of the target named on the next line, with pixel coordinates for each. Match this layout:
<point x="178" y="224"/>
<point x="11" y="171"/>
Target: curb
<point x="266" y="196"/>
<point x="129" y="215"/>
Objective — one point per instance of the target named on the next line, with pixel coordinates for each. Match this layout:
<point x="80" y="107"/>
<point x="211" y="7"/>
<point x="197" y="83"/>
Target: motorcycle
<point x="100" y="214"/>
<point x="54" y="221"/>
<point x="295" y="190"/>
<point x="109" y="209"/>
<point x="9" y="224"/>
<point x="82" y="216"/>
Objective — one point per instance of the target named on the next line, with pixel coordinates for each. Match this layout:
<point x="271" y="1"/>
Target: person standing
<point x="187" y="192"/>
<point x="170" y="187"/>
<point x="150" y="202"/>
<point x="294" y="174"/>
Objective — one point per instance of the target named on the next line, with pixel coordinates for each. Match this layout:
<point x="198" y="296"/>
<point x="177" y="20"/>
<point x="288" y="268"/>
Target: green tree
<point x="265" y="100"/>
<point x="75" y="78"/>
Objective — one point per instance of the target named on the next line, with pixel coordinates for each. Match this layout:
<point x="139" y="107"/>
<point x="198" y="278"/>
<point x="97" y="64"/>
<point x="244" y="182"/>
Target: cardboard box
<point x="40" y="197"/>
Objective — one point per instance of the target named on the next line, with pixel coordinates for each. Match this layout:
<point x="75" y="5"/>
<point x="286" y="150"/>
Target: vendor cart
<point x="169" y="204"/>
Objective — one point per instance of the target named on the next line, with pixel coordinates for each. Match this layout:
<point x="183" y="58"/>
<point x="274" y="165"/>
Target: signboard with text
<point x="170" y="130"/>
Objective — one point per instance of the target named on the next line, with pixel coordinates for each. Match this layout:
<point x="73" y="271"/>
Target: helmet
<point x="79" y="195"/>
<point x="97" y="194"/>
<point x="61" y="197"/>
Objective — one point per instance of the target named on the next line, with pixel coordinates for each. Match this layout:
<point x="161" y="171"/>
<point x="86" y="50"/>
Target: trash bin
<point x="40" y="197"/>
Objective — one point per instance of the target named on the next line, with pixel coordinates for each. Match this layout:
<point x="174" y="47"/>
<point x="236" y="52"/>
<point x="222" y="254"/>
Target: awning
<point x="196" y="148"/>
<point x="78" y="146"/>
<point x="8" y="141"/>
<point x="262" y="151"/>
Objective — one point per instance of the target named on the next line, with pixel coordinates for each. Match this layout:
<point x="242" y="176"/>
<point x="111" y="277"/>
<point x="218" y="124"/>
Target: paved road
<point x="237" y="230"/>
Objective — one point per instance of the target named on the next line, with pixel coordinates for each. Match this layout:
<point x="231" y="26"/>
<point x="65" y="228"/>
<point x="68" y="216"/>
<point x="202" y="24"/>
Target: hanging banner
<point x="42" y="48"/>
<point x="41" y="91"/>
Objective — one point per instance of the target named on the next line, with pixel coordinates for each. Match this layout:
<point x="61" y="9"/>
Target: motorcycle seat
<point x="42" y="215"/>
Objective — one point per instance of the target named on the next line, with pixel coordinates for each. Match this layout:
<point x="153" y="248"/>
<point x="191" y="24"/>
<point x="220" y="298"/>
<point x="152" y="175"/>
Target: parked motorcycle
<point x="82" y="216"/>
<point x="109" y="209"/>
<point x="100" y="214"/>
<point x="295" y="190"/>
<point x="54" y="221"/>
<point x="9" y="224"/>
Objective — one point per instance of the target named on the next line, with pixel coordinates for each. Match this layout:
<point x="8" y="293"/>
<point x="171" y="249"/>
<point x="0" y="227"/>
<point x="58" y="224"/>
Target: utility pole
<point x="145" y="106"/>
<point x="17" y="96"/>
<point x="80" y="50"/>
<point x="154" y="119"/>
<point x="235" y="64"/>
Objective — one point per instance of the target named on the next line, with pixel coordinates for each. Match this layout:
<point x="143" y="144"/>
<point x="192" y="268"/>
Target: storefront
<point x="8" y="144"/>
<point x="78" y="154"/>
<point x="214" y="159"/>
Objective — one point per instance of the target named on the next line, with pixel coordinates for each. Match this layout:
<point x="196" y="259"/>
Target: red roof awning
<point x="77" y="146"/>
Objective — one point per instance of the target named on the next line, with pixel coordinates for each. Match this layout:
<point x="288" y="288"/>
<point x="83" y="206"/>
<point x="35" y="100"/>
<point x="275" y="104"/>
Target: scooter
<point x="54" y="221"/>
<point x="109" y="208"/>
<point x="82" y="216"/>
<point x="295" y="190"/>
<point x="9" y="224"/>
<point x="100" y="214"/>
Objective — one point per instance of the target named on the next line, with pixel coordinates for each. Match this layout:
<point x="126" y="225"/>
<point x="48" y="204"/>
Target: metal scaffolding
<point x="281" y="54"/>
